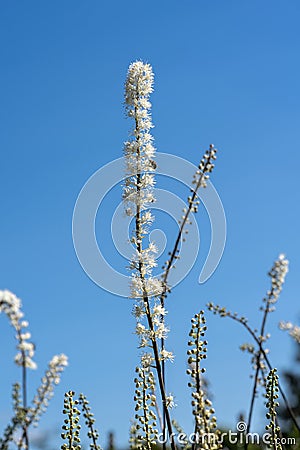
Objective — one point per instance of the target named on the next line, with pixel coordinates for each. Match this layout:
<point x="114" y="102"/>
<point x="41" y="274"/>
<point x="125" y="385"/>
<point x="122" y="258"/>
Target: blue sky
<point x="226" y="73"/>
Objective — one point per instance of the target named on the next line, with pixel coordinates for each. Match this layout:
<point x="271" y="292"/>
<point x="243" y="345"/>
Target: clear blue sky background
<point x="227" y="72"/>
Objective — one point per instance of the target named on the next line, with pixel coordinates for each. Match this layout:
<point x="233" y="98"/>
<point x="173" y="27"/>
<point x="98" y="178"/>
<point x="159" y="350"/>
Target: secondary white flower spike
<point x="293" y="330"/>
<point x="11" y="305"/>
<point x="278" y="272"/>
<point x="44" y="393"/>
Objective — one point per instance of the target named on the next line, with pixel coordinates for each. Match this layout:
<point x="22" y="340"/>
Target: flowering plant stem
<point x="24" y="441"/>
<point x="150" y="322"/>
<point x="272" y="404"/>
<point x="263" y="353"/>
<point x="90" y="422"/>
<point x="265" y="356"/>
<point x="258" y="368"/>
<point x="277" y="275"/>
<point x="205" y="167"/>
<point x="139" y="154"/>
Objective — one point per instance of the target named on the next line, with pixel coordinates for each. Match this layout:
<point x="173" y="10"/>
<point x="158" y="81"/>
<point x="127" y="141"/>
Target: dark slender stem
<point x="159" y="374"/>
<point x="254" y="392"/>
<point x="258" y="357"/>
<point x="145" y="296"/>
<point x="180" y="232"/>
<point x="158" y="412"/>
<point x="163" y="368"/>
<point x="166" y="275"/>
<point x="24" y="437"/>
<point x="24" y="384"/>
<point x="269" y="366"/>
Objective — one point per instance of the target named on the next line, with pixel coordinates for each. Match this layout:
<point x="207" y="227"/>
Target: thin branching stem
<point x="257" y="370"/>
<point x="24" y="438"/>
<point x="259" y="343"/>
<point x="174" y="254"/>
<point x="89" y="421"/>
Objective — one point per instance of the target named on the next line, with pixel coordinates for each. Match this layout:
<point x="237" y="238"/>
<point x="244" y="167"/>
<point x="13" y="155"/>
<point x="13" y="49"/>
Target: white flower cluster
<point x="277" y="273"/>
<point x="45" y="391"/>
<point x="144" y="261"/>
<point x="170" y="401"/>
<point x="294" y="330"/>
<point x="159" y="331"/>
<point x="151" y="287"/>
<point x="139" y="151"/>
<point x="138" y="189"/>
<point x="11" y="305"/>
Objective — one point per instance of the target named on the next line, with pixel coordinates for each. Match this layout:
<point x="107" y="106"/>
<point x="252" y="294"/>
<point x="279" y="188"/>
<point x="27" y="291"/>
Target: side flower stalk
<point x="200" y="179"/>
<point x="293" y="330"/>
<point x="205" y="429"/>
<point x="277" y="275"/>
<point x="145" y="403"/>
<point x="272" y="404"/>
<point x="260" y="358"/>
<point x="26" y="415"/>
<point x="45" y="391"/>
